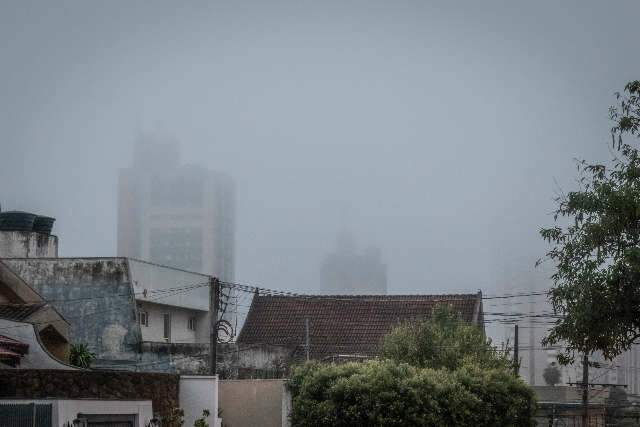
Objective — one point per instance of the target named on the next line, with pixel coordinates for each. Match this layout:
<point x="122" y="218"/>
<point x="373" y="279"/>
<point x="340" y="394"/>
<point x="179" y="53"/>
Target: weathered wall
<point x="253" y="403"/>
<point x="161" y="389"/>
<point x="175" y="357"/>
<point x="240" y="361"/>
<point x="27" y="244"/>
<point x="95" y="296"/>
<point x="234" y="361"/>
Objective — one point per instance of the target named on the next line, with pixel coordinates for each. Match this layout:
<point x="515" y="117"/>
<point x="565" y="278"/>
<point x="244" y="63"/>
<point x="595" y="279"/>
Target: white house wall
<point x="180" y="332"/>
<point x="151" y="278"/>
<point x="198" y="393"/>
<point x="66" y="410"/>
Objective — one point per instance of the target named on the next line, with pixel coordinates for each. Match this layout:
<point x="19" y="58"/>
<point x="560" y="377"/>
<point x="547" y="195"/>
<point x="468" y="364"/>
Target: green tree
<point x="596" y="246"/>
<point x="444" y="341"/>
<point x="81" y="356"/>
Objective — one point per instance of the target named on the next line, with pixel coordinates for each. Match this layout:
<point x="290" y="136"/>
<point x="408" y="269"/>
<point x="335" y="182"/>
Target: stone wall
<point x="161" y="389"/>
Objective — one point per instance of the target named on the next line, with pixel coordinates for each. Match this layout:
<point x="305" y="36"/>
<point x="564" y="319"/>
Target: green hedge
<point x="384" y="393"/>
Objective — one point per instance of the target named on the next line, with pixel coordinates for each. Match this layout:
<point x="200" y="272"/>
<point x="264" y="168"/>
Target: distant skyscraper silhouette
<point x="176" y="215"/>
<point x="345" y="271"/>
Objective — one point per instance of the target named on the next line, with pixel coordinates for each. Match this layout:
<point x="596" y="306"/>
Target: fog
<point x="436" y="131"/>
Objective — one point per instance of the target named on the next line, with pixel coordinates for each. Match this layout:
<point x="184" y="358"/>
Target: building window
<point x="143" y="318"/>
<point x="192" y="323"/>
<point x="167" y="327"/>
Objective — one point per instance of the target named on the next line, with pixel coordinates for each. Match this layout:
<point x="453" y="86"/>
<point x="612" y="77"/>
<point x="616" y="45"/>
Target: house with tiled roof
<point x="331" y="327"/>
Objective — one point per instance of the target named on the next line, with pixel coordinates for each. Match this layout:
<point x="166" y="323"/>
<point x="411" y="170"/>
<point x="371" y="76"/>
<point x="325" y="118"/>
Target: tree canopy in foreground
<point x="596" y="246"/>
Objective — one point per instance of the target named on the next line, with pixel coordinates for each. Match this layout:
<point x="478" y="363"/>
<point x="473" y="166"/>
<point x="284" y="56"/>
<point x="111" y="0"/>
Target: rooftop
<point x="343" y="324"/>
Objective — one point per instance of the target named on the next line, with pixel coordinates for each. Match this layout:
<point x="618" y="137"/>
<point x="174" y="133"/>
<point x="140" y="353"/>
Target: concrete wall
<point x="27" y="244"/>
<point x="95" y="296"/>
<point x="196" y="394"/>
<point x="254" y="403"/>
<point x="175" y="357"/>
<point x="240" y="361"/>
<point x="161" y="389"/>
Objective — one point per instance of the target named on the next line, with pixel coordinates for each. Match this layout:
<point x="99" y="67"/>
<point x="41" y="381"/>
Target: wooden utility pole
<point x="307" y="343"/>
<point x="214" y="288"/>
<point x="585" y="390"/>
<point x="516" y="361"/>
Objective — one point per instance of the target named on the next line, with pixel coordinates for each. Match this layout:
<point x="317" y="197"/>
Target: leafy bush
<point x="384" y="393"/>
<point x="444" y="341"/>
<point x="80" y="356"/>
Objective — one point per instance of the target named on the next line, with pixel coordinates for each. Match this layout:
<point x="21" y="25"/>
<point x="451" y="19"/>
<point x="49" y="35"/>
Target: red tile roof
<point x="12" y="350"/>
<point x="14" y="345"/>
<point x="343" y="325"/>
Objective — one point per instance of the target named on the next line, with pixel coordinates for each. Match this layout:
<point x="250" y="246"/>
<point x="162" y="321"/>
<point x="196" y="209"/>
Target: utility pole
<point x="307" y="342"/>
<point x="214" y="288"/>
<point x="585" y="390"/>
<point x="516" y="360"/>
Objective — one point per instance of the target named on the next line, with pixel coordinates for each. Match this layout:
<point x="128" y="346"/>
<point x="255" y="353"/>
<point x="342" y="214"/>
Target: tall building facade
<point x="347" y="271"/>
<point x="177" y="215"/>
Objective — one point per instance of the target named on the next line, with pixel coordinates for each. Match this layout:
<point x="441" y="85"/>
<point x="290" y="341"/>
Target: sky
<point x="438" y="131"/>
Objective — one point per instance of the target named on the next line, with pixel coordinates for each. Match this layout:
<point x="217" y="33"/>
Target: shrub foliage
<point x="444" y="341"/>
<point x="384" y="393"/>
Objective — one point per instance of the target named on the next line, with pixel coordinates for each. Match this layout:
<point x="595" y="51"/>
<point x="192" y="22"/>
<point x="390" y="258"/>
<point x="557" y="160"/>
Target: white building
<point x="176" y="215"/>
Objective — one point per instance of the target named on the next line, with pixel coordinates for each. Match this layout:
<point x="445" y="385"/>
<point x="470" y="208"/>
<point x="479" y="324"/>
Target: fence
<point x="599" y="420"/>
<point x="25" y="415"/>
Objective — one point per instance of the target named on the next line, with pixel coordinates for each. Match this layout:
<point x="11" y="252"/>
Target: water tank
<point x="17" y="221"/>
<point x="43" y="224"/>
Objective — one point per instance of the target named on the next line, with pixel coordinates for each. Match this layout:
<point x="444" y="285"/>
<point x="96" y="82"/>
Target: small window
<point x="143" y="318"/>
<point x="167" y="327"/>
<point x="192" y="323"/>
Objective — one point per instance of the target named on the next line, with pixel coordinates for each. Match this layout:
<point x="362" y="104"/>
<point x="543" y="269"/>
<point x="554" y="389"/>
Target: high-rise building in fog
<point x="346" y="271"/>
<point x="177" y="215"/>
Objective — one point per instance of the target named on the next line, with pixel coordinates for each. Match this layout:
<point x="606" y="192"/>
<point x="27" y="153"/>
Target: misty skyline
<point x="434" y="131"/>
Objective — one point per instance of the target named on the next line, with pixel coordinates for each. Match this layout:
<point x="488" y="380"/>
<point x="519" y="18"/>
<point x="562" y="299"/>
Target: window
<point x="143" y="318"/>
<point x="192" y="323"/>
<point x="167" y="327"/>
